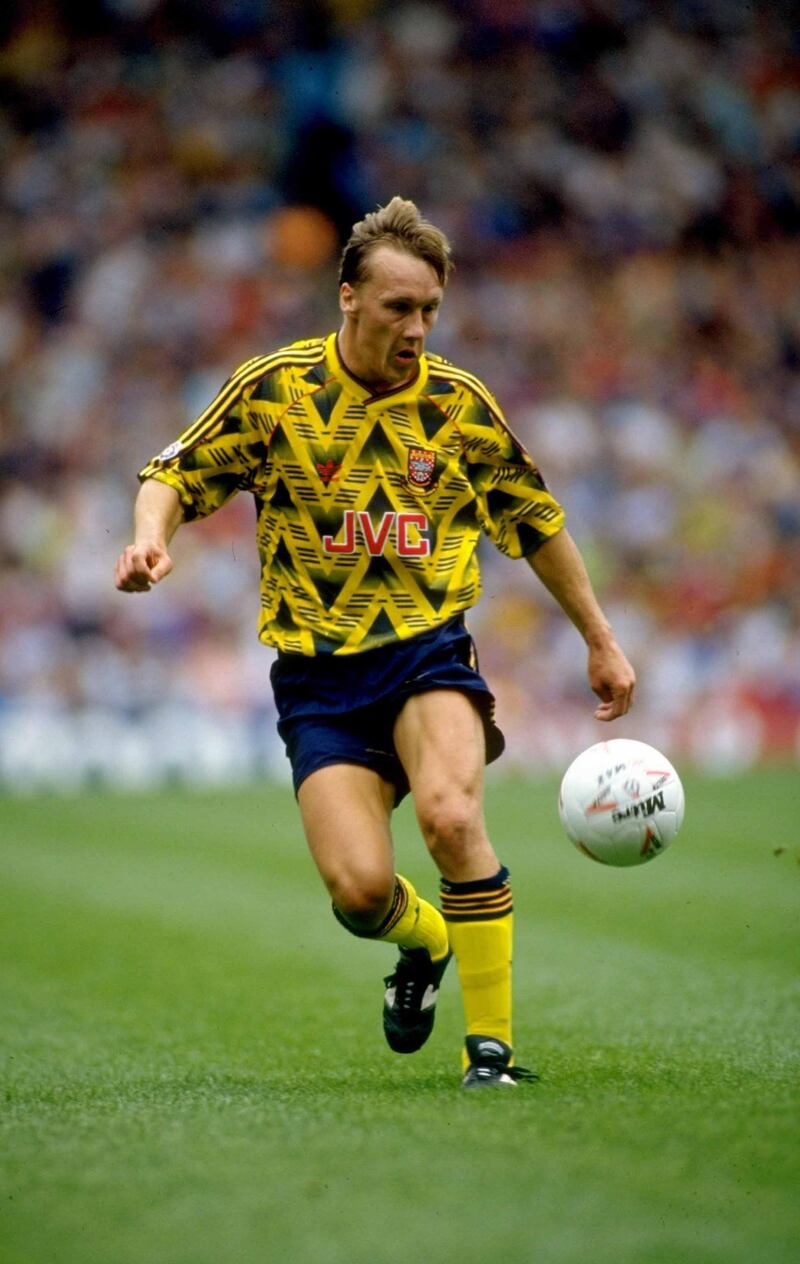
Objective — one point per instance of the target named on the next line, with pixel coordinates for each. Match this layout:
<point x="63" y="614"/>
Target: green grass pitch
<point x="194" y="1070"/>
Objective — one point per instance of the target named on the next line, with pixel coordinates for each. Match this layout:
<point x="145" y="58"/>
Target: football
<point x="621" y="802"/>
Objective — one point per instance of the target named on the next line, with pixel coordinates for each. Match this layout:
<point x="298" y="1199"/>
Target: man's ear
<point x="347" y="298"/>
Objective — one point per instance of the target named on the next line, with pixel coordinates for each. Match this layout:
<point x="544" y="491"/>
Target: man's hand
<point x="157" y="515"/>
<point x="142" y="565"/>
<point x="612" y="678"/>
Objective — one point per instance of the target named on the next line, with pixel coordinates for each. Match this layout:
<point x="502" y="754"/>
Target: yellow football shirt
<point x="370" y="507"/>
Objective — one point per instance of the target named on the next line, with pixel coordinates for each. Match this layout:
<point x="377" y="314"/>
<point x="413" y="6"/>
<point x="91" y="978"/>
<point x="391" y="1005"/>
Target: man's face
<point x="388" y="316"/>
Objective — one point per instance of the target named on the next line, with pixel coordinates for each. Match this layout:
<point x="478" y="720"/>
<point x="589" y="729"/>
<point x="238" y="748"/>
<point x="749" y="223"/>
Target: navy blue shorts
<point x="342" y="710"/>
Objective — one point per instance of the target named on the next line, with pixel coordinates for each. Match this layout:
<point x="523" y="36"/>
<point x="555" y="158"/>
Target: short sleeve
<point x="515" y="509"/>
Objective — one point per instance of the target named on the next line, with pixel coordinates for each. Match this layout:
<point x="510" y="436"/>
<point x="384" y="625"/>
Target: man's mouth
<point x="406" y="355"/>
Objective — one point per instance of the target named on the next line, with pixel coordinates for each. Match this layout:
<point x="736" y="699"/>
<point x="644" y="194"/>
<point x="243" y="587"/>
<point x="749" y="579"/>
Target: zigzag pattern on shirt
<point x="405" y="486"/>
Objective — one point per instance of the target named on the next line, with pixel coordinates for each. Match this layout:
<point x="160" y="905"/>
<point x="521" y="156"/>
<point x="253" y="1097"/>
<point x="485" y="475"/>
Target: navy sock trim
<point x="484" y="900"/>
<point x="480" y="884"/>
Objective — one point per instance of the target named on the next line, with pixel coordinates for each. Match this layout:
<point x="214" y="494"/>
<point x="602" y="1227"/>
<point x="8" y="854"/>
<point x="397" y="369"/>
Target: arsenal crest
<point x="421" y="467"/>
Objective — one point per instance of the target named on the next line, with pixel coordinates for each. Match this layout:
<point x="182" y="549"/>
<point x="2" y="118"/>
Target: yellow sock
<point x="480" y="925"/>
<point x="414" y="923"/>
<point x="411" y="922"/>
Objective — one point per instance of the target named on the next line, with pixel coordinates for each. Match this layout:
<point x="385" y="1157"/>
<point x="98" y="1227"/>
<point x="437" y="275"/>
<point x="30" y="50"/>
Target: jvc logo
<point x="358" y="532"/>
<point x="646" y="808"/>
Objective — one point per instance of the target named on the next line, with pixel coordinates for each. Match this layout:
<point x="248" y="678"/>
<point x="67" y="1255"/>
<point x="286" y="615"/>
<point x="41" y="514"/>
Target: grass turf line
<point x="194" y="1070"/>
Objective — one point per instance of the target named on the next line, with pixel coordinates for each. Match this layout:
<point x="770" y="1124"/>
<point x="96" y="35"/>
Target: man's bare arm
<point x="560" y="567"/>
<point x="157" y="515"/>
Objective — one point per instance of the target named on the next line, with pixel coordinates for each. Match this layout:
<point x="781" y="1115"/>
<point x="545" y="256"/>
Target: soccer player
<point x="375" y="466"/>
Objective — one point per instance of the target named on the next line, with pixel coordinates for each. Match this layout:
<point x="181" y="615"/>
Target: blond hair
<point x="399" y="224"/>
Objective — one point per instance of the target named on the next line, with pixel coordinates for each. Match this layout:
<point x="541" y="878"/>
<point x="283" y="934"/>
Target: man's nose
<point x="414" y="326"/>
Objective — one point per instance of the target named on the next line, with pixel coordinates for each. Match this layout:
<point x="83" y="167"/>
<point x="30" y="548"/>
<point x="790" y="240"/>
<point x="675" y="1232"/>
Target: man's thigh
<point x="439" y="737"/>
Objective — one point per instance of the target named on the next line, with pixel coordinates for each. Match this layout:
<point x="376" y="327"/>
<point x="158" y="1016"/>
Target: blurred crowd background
<point x="621" y="183"/>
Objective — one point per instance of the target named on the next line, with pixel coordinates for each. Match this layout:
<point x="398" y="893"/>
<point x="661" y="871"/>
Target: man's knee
<point x="452" y="825"/>
<point x="362" y="900"/>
